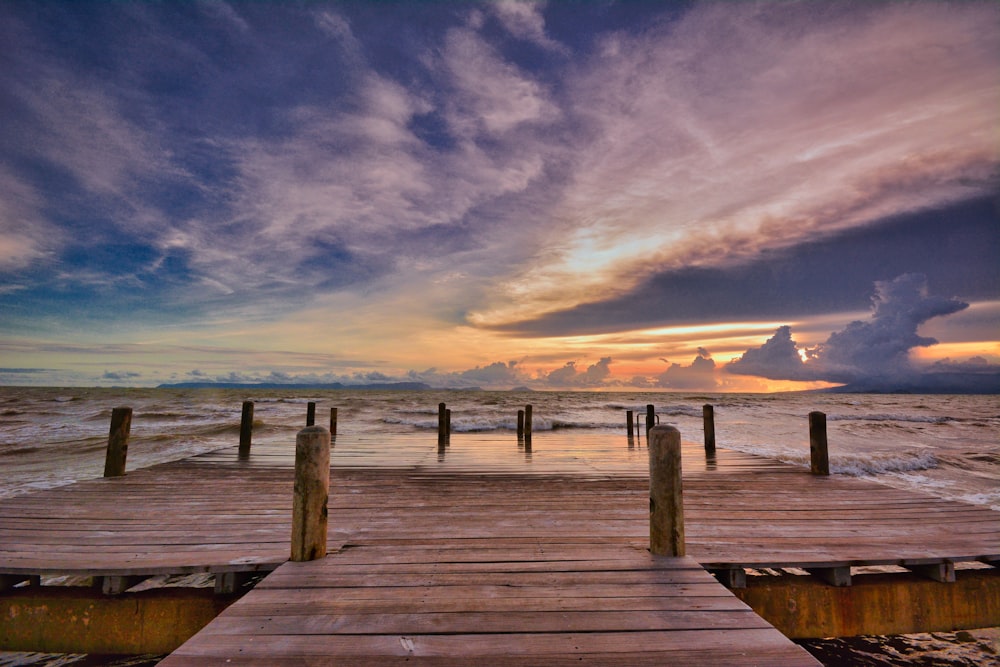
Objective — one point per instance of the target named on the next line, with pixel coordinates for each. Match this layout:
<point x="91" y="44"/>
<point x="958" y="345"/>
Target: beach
<point x="945" y="446"/>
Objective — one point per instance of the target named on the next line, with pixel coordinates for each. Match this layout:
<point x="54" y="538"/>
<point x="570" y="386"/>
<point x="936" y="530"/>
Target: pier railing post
<point x="246" y="429"/>
<point x="442" y="423"/>
<point x="666" y="503"/>
<point x="333" y="422"/>
<point x="819" y="457"/>
<point x="311" y="492"/>
<point x="520" y="423"/>
<point x="708" y="417"/>
<point x="650" y="419"/>
<point x="310" y="414"/>
<point x="629" y="422"/>
<point x="121" y="425"/>
<point x="527" y="422"/>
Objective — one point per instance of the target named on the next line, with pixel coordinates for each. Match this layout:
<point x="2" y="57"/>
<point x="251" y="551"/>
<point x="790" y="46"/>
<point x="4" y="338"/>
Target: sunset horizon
<point x="683" y="196"/>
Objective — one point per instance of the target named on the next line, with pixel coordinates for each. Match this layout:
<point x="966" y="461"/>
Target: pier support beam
<point x="312" y="490"/>
<point x="943" y="571"/>
<point x="835" y="576"/>
<point x="877" y="604"/>
<point x="666" y="503"/>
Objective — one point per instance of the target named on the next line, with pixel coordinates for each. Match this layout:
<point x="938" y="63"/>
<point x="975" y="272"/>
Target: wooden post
<point x="246" y="429"/>
<point x="114" y="459"/>
<point x="666" y="503"/>
<point x="650" y="419"/>
<point x="520" y="423"/>
<point x="819" y="458"/>
<point x="447" y="424"/>
<point x="311" y="491"/>
<point x="442" y="423"/>
<point x="310" y="414"/>
<point x="629" y="422"/>
<point x="708" y="417"/>
<point x="527" y="421"/>
<point x="333" y="422"/>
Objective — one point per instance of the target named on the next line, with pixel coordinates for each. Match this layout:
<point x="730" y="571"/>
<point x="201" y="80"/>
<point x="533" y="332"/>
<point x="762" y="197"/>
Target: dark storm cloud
<point x="874" y="353"/>
<point x="957" y="248"/>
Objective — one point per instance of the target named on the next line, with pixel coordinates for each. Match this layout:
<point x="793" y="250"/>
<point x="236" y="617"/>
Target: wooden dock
<point x="438" y="562"/>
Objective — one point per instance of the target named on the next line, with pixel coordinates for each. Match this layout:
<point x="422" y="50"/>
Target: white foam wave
<point x="922" y="419"/>
<point x="854" y="464"/>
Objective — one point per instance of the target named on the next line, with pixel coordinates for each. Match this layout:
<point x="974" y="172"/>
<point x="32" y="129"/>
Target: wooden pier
<point x="436" y="562"/>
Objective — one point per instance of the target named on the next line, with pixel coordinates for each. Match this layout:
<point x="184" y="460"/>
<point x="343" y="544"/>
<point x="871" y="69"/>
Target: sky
<point x="691" y="196"/>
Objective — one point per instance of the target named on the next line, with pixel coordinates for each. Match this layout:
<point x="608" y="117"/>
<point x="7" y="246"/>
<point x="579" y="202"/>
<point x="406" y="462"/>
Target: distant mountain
<point x="928" y="383"/>
<point x="400" y="386"/>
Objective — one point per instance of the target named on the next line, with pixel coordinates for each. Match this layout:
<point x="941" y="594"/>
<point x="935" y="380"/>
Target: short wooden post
<point x="310" y="414"/>
<point x="333" y="422"/>
<point x="447" y="424"/>
<point x="442" y="416"/>
<point x="311" y="491"/>
<point x="246" y="429"/>
<point x="114" y="459"/>
<point x="520" y="423"/>
<point x="708" y="417"/>
<point x="819" y="458"/>
<point x="629" y="422"/>
<point x="666" y="503"/>
<point x="527" y="421"/>
<point x="650" y="419"/>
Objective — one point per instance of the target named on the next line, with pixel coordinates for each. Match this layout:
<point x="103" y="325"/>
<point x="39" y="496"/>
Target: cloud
<point x="700" y="374"/>
<point x="806" y="125"/>
<point x="525" y="21"/>
<point x="496" y="374"/>
<point x="569" y="376"/>
<point x="121" y="375"/>
<point x="872" y="353"/>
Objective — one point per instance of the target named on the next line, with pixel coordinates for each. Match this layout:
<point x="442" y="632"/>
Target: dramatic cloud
<point x="700" y="374"/>
<point x="569" y="376"/>
<point x="337" y="191"/>
<point x="867" y="354"/>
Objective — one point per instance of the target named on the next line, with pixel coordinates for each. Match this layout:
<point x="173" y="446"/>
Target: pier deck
<point x="451" y="565"/>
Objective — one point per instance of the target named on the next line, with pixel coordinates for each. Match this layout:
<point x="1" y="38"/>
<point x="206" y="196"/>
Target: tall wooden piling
<point x="311" y="491"/>
<point x="520" y="423"/>
<point x="333" y="422"/>
<point x="650" y="419"/>
<point x="527" y="422"/>
<point x="666" y="502"/>
<point x="442" y="423"/>
<point x="629" y="422"/>
<point x="708" y="417"/>
<point x="447" y="424"/>
<point x="246" y="429"/>
<point x="310" y="414"/>
<point x="121" y="425"/>
<point x="819" y="457"/>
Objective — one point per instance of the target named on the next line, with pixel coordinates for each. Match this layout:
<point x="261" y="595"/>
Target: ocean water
<point x="946" y="446"/>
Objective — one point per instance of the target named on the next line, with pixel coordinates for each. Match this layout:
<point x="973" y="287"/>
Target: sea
<point x="943" y="445"/>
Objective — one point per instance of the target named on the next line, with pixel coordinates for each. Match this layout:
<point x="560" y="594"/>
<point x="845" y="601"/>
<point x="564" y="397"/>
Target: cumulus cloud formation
<point x="700" y="374"/>
<point x="570" y="376"/>
<point x="867" y="354"/>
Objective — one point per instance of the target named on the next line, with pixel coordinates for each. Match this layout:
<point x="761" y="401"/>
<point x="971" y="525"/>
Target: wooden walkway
<point x="441" y="564"/>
